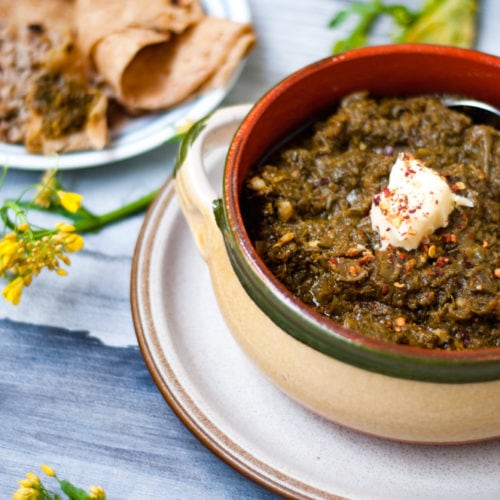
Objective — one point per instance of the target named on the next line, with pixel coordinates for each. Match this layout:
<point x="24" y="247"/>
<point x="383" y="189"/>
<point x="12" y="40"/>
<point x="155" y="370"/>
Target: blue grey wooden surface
<point x="74" y="390"/>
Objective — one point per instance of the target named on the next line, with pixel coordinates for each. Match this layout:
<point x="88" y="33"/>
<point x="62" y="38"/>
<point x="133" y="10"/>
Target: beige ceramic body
<point x="389" y="407"/>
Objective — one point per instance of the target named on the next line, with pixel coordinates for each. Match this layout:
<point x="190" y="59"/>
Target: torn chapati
<point x="83" y="59"/>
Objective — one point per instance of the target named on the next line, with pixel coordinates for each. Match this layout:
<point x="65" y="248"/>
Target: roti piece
<point x="114" y="53"/>
<point x="162" y="74"/>
<point x="90" y="133"/>
<point x="54" y="14"/>
<point x="97" y="19"/>
<point x="41" y="115"/>
<point x="46" y="102"/>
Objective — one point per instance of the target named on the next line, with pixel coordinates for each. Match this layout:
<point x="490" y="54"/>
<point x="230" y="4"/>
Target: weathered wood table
<point x="74" y="389"/>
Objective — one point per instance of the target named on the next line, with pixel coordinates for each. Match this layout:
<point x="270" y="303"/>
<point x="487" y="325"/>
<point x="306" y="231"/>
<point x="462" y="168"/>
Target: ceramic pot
<point x="396" y="392"/>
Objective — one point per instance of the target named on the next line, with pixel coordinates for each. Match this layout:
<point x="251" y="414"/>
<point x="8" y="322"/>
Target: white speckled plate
<point x="140" y="134"/>
<point x="233" y="409"/>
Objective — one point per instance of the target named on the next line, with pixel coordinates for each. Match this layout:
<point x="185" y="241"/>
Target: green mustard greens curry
<point x="307" y="206"/>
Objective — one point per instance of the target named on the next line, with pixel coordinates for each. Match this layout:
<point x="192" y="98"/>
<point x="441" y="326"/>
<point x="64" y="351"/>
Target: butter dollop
<point x="416" y="202"/>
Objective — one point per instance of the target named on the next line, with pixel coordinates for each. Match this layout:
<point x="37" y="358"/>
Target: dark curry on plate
<point x="308" y="205"/>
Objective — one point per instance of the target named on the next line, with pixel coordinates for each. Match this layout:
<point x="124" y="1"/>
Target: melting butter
<point x="416" y="202"/>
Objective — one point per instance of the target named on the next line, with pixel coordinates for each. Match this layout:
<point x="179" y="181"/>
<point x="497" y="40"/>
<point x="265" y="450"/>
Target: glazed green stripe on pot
<point x="310" y="333"/>
<point x="188" y="140"/>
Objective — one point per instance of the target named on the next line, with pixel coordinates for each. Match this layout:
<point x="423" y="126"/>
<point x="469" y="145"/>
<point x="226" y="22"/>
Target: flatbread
<point x="63" y="68"/>
<point x="32" y="53"/>
<point x="114" y="53"/>
<point x="145" y="56"/>
<point x="162" y="74"/>
<point x="94" y="134"/>
<point x="97" y="19"/>
<point x="54" y="14"/>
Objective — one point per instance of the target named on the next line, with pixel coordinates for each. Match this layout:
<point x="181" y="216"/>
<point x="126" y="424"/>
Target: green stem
<point x="96" y="222"/>
<point x="368" y="14"/>
<point x="19" y="213"/>
<point x="83" y="220"/>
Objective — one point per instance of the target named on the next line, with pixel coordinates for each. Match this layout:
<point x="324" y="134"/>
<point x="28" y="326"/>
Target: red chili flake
<point x="464" y="218"/>
<point x="386" y="191"/>
<point x="442" y="261"/>
<point x="467" y="262"/>
<point x="333" y="261"/>
<point x="449" y="238"/>
<point x="402" y="255"/>
<point x="385" y="289"/>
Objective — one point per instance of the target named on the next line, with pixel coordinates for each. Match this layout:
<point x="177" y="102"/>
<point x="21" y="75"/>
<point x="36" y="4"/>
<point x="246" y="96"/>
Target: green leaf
<point x="338" y="19"/>
<point x="444" y="22"/>
<point x="401" y="15"/>
<point x="367" y="15"/>
<point x="73" y="492"/>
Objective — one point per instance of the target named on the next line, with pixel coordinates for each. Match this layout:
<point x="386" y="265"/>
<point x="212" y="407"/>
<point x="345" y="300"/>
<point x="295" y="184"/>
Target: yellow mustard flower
<point x="66" y="236"/>
<point x="97" y="493"/>
<point x="31" y="481"/>
<point x="24" y="483"/>
<point x="65" y="227"/>
<point x="13" y="291"/>
<point x="27" y="494"/>
<point x="46" y="188"/>
<point x="27" y="253"/>
<point x="72" y="242"/>
<point x="48" y="470"/>
<point x="50" y="194"/>
<point x="27" y="250"/>
<point x="184" y="127"/>
<point x="70" y="201"/>
<point x="9" y="247"/>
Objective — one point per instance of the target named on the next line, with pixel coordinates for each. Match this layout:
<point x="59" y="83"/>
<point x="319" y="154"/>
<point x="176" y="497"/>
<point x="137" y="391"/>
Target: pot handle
<point x="208" y="137"/>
